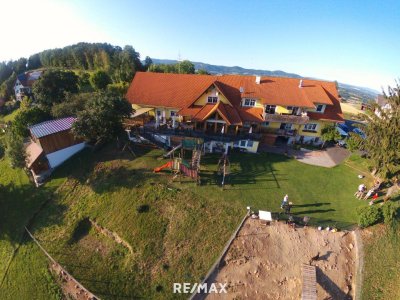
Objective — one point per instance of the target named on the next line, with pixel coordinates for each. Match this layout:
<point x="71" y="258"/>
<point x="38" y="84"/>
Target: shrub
<point x="389" y="211"/>
<point x="368" y="216"/>
<point x="1" y="149"/>
<point x="143" y="208"/>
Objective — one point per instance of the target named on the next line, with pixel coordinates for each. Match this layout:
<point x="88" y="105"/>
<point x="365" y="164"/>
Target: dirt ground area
<point x="265" y="262"/>
<point x="70" y="288"/>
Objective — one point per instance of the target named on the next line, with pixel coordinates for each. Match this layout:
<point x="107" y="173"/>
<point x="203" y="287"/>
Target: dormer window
<point x="249" y="102"/>
<point x="320" y="108"/>
<point x="212" y="99"/>
<point x="270" y="109"/>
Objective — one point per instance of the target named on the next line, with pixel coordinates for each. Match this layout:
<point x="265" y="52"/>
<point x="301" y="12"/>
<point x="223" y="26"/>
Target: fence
<point x="81" y="291"/>
<point x="214" y="269"/>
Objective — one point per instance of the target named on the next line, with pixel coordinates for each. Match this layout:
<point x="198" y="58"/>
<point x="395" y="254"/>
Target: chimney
<point x="241" y="89"/>
<point x="301" y="83"/>
<point x="258" y="79"/>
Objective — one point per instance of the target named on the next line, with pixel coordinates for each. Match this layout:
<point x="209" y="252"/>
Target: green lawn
<point x="179" y="234"/>
<point x="28" y="274"/>
<point x="382" y="263"/>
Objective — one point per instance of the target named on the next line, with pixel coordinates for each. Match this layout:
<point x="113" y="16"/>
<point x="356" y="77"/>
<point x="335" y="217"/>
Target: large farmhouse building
<point x="241" y="111"/>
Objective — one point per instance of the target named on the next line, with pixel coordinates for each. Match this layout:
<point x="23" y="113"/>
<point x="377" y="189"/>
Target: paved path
<point x="324" y="158"/>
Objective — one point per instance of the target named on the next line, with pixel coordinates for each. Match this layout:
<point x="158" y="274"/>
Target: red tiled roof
<point x="251" y="114"/>
<point x="182" y="90"/>
<point x="202" y="113"/>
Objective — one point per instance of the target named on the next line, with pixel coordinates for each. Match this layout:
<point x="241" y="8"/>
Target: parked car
<point x="342" y="143"/>
<point x="359" y="132"/>
<point x="342" y="132"/>
<point x="343" y="127"/>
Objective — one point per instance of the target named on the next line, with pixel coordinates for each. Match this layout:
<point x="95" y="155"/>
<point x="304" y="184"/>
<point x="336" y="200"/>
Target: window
<point x="249" y="102"/>
<point x="295" y="110"/>
<point x="320" y="108"/>
<point x="158" y="112"/>
<point x="173" y="113"/>
<point x="265" y="124"/>
<point x="310" y="127"/>
<point x="249" y="144"/>
<point x="289" y="107"/>
<point x="270" y="109"/>
<point x="242" y="143"/>
<point x="212" y="99"/>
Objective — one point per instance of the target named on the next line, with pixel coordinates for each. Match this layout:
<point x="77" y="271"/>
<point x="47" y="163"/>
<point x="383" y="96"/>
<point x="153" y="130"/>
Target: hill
<point x="348" y="92"/>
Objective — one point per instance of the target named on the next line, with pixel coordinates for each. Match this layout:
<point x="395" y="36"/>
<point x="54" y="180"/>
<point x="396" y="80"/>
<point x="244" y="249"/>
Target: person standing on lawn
<point x="360" y="191"/>
<point x="285" y="201"/>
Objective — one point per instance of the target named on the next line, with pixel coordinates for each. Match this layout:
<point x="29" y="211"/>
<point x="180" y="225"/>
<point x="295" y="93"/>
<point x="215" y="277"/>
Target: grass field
<point x="382" y="263"/>
<point x="176" y="230"/>
<point x="28" y="274"/>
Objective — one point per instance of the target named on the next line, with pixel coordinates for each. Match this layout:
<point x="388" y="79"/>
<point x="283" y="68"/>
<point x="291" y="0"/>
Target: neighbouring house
<point x="23" y="84"/>
<point x="51" y="144"/>
<point x="232" y="110"/>
<point x="382" y="103"/>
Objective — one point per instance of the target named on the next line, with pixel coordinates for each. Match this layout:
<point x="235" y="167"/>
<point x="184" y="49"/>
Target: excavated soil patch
<point x="265" y="262"/>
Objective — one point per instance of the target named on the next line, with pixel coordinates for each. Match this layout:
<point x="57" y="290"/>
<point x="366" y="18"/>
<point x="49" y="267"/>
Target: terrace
<point x="294" y="119"/>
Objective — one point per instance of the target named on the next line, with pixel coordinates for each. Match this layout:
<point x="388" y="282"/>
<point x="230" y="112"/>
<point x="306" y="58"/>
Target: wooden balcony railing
<point x="293" y="119"/>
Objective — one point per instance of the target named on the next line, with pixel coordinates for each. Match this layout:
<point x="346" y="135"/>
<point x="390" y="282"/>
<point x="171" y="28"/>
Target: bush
<point x="143" y="208"/>
<point x="1" y="149"/>
<point x="389" y="211"/>
<point x="370" y="215"/>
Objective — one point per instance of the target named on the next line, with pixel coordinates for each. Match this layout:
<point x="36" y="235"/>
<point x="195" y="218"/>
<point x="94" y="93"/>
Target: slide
<point x="167" y="165"/>
<point x="173" y="149"/>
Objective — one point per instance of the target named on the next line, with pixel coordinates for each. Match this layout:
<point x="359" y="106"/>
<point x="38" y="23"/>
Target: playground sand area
<point x="265" y="262"/>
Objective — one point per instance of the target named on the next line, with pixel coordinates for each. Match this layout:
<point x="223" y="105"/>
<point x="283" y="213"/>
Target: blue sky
<point x="355" y="42"/>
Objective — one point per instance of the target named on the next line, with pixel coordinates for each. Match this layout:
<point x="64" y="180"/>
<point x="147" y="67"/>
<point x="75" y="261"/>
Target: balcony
<point x="206" y="136"/>
<point x="294" y="119"/>
<point x="280" y="132"/>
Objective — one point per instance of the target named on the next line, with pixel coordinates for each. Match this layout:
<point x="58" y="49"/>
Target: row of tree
<point x="119" y="64"/>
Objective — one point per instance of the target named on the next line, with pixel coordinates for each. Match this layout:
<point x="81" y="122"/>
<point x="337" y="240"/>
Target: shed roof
<point x="33" y="152"/>
<point x="52" y="126"/>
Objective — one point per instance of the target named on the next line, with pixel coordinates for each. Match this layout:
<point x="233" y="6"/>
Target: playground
<point x="268" y="262"/>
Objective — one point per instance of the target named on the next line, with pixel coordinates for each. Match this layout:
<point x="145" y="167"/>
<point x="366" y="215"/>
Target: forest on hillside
<point x="120" y="64"/>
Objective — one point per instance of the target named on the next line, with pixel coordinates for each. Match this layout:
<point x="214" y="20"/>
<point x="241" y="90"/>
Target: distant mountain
<point x="214" y="69"/>
<point x="347" y="92"/>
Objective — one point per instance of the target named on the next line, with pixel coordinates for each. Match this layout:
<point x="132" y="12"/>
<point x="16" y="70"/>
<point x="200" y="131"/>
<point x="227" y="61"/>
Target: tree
<point x="14" y="149"/>
<point x="26" y="118"/>
<point x="147" y="63"/>
<point x="203" y="72"/>
<point x="329" y="134"/>
<point x="34" y="62"/>
<point x="102" y="117"/>
<point x="7" y="87"/>
<point x="84" y="82"/>
<point x="382" y="130"/>
<point x="51" y="87"/>
<point x="100" y="80"/>
<point x="72" y="104"/>
<point x="186" y="67"/>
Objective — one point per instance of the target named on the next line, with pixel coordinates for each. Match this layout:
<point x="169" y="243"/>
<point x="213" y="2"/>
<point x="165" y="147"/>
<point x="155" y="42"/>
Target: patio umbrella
<point x="223" y="129"/>
<point x="251" y="129"/>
